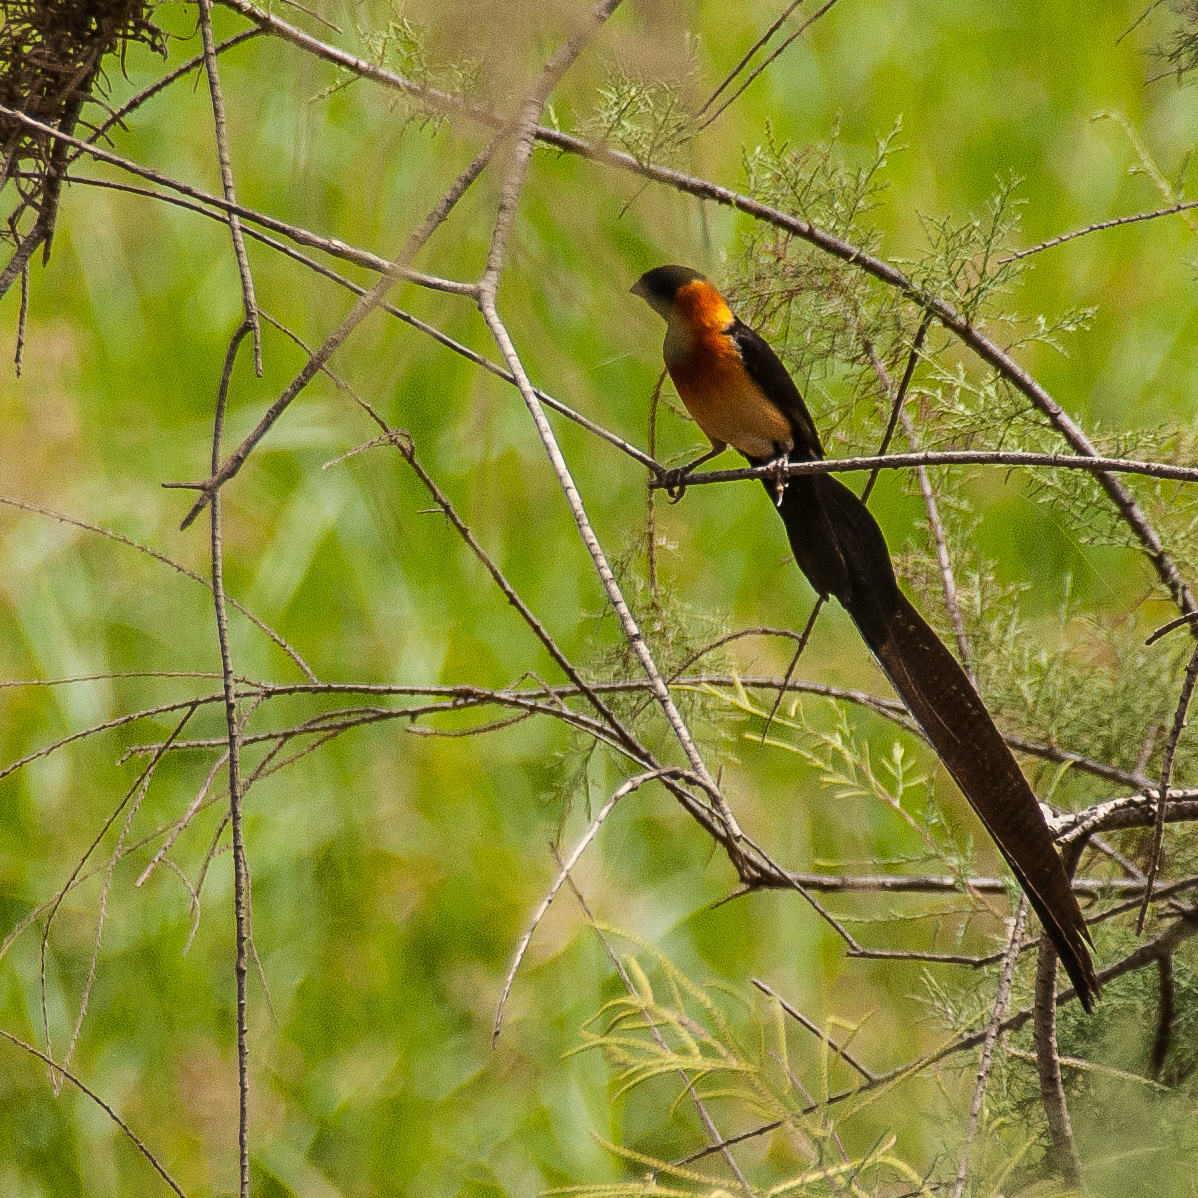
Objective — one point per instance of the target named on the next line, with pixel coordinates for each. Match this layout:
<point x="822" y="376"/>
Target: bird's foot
<point x="674" y="482"/>
<point x="778" y="476"/>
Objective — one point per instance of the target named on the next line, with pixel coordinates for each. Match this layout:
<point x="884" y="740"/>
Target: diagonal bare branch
<point x="83" y="1088"/>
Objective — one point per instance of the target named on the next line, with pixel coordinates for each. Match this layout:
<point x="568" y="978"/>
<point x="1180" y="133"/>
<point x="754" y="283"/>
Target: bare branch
<point x="758" y="70"/>
<point x="509" y="198"/>
<point x="1097" y="227"/>
<point x="301" y="236"/>
<point x="950" y="457"/>
<point x="543" y="907"/>
<point x="1002" y="1000"/>
<point x="1158" y="830"/>
<point x="226" y="179"/>
<point x="135" y="102"/>
<point x="126" y="1130"/>
<point x="815" y="1030"/>
<point x="744" y="62"/>
<point x="365" y="305"/>
<point x="52" y="909"/>
<point x="240" y="868"/>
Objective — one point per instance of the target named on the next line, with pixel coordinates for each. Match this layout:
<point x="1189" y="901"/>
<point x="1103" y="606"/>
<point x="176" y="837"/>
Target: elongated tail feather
<point x="942" y="699"/>
<point x="841" y="550"/>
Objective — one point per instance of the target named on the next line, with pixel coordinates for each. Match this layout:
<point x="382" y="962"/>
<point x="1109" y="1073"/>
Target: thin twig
<point x="1048" y="1064"/>
<point x="897" y="395"/>
<point x="105" y="726"/>
<point x="22" y="319"/>
<point x="814" y="1028"/>
<point x="488" y="288"/>
<point x="804" y="638"/>
<point x="329" y="245"/>
<point x="900" y="415"/>
<point x="121" y="539"/>
<point x="240" y="868"/>
<point x="1002" y="1000"/>
<point x="563" y="873"/>
<point x="740" y="66"/>
<point x="650" y="494"/>
<point x="56" y="903"/>
<point x="226" y="178"/>
<point x="183" y="820"/>
<point x="758" y="70"/>
<point x="135" y="102"/>
<point x="948" y="457"/>
<point x="948" y="581"/>
<point x="365" y="305"/>
<point x="1162" y="793"/>
<point x="1176" y="622"/>
<point x="83" y="1088"/>
<point x="1097" y="227"/>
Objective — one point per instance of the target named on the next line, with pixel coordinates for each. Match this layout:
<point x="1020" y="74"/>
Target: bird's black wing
<point x="765" y="368"/>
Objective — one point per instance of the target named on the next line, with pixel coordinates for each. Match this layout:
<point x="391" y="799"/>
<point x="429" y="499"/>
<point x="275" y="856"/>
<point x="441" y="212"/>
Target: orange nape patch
<point x="701" y="306"/>
<point x="709" y="374"/>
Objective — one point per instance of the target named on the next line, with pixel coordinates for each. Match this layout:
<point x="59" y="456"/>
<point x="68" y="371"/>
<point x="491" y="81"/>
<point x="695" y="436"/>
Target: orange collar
<point x="701" y="307"/>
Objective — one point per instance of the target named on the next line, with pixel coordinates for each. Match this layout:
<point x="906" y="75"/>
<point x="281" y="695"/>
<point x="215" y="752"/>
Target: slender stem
<point x="1048" y="1063"/>
<point x="226" y="178"/>
<point x="759" y="69"/>
<point x="564" y="869"/>
<point x="487" y="298"/>
<point x="815" y="1030"/>
<point x="949" y="457"/>
<point x="83" y="1088"/>
<point x="1002" y="1000"/>
<point x="233" y="726"/>
<point x="948" y="581"/>
<point x="744" y="62"/>
<point x="1162" y="793"/>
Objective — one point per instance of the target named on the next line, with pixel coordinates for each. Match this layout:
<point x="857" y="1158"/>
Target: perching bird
<point x="740" y="394"/>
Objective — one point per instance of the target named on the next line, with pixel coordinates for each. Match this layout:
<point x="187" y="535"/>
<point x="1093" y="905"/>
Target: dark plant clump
<point x="51" y="54"/>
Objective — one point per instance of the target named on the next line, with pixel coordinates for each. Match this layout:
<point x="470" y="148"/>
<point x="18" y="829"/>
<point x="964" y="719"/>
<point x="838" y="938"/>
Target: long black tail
<point x="841" y="550"/>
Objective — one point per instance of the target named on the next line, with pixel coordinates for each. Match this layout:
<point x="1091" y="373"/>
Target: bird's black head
<point x="657" y="287"/>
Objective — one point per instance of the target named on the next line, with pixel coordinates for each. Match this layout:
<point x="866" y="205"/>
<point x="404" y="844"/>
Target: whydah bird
<point x="741" y="395"/>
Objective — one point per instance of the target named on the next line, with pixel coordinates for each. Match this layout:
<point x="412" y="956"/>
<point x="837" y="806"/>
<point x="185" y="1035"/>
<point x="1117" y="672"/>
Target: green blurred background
<point x="393" y="873"/>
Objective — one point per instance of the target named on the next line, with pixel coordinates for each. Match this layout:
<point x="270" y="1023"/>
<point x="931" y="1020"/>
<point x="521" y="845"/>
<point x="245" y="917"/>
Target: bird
<point x="741" y="395"/>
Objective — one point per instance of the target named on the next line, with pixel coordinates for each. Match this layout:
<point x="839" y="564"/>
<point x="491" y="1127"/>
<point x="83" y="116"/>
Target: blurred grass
<point x="393" y="874"/>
